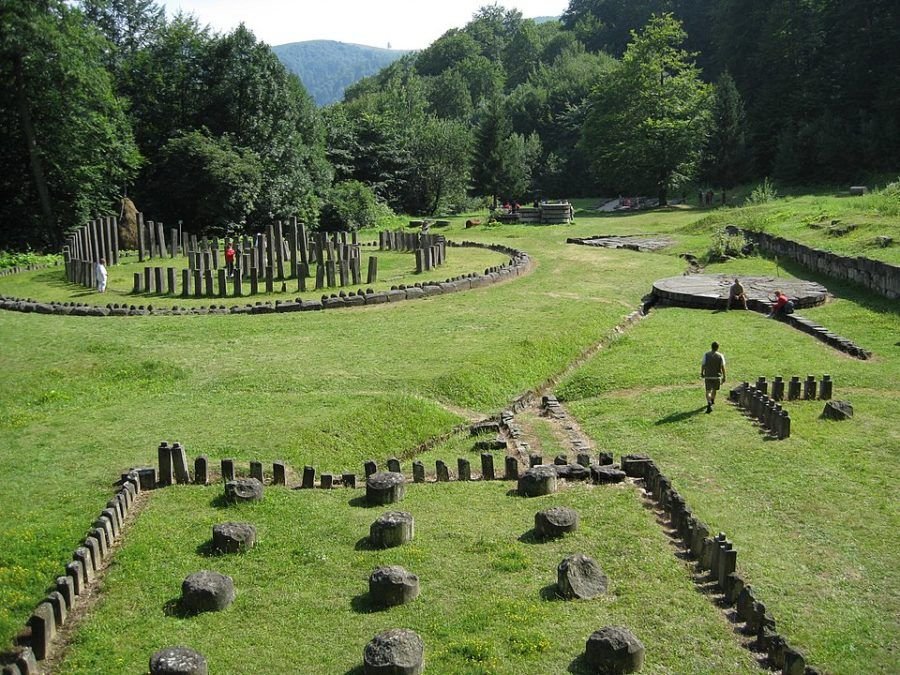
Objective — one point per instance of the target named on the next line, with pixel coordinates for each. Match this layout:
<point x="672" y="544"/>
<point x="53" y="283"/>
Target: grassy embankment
<point x="812" y="516"/>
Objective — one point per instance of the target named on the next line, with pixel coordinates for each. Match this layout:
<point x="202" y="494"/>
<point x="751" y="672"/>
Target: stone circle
<point x="538" y="481"/>
<point x="397" y="651"/>
<point x="614" y="649"/>
<point x="178" y="661"/>
<point x="580" y="577"/>
<point x="392" y="585"/>
<point x="243" y="490"/>
<point x="390" y="529"/>
<point x="233" y="537"/>
<point x="555" y="521"/>
<point x="206" y="591"/>
<point x="385" y="487"/>
<point x="711" y="290"/>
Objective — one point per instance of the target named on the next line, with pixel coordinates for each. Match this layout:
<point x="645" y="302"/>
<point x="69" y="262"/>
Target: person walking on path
<point x="712" y="370"/>
<point x="101" y="275"/>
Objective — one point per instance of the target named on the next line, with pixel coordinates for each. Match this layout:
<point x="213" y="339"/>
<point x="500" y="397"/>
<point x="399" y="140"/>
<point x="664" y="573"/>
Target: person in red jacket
<point x="779" y="305"/>
<point x="229" y="258"/>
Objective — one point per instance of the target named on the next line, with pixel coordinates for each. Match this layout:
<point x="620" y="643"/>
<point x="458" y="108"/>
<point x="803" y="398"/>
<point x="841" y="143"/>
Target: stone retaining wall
<point x="881" y="277"/>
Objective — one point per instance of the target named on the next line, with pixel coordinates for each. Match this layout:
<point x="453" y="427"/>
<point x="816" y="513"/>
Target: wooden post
<point x="373" y="270"/>
<point x="151" y="228"/>
<point x="140" y="236"/>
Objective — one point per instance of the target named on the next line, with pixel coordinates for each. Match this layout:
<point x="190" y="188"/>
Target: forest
<point x="107" y="98"/>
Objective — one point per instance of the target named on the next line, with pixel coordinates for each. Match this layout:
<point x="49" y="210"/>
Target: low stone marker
<point x="392" y="585"/>
<point x="614" y="649"/>
<point x="572" y="471"/>
<point x="580" y="577"/>
<point x="206" y="591"/>
<point x="233" y="537"/>
<point x="538" y="481"/>
<point x="385" y="487"/>
<point x="178" y="661"/>
<point x="605" y="473"/>
<point x="397" y="651"/>
<point x="837" y="410"/>
<point x="391" y="529"/>
<point x="555" y="521"/>
<point x="243" y="490"/>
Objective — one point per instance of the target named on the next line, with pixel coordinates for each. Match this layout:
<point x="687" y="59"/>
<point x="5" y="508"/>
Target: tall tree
<point x="648" y="120"/>
<point x="66" y="147"/>
<point x="488" y="159"/>
<point x="725" y="160"/>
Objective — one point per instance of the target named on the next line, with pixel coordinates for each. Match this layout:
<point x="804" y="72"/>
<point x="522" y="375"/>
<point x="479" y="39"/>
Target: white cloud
<point x="405" y="24"/>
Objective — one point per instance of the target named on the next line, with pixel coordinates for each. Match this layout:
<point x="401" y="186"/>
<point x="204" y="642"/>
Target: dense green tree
<point x="648" y="120"/>
<point x="489" y="165"/>
<point x="66" y="147"/>
<point x="725" y="159"/>
<point x="209" y="183"/>
<point x="349" y="205"/>
<point x="440" y="156"/>
<point x="448" y="95"/>
<point x="129" y="25"/>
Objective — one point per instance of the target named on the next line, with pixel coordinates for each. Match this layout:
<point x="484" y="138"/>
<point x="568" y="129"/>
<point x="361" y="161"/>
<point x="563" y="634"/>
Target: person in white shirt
<point x="101" y="275"/>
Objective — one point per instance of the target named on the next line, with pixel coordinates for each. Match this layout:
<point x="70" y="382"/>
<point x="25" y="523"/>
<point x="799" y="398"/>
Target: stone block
<point x="441" y="471"/>
<point x="65" y="586"/>
<point x="554" y="522"/>
<point x="418" y="472"/>
<point x="348" y="480"/>
<point x="385" y="487"/>
<point x="393" y="464"/>
<point x="309" y="478"/>
<point x="538" y="481"/>
<point x="279" y="473"/>
<point x="634" y="466"/>
<point x="326" y="482"/>
<point x="206" y="591"/>
<point x="83" y="557"/>
<point x="487" y="466"/>
<point x="233" y="537"/>
<point x="180" y="465"/>
<point x="43" y="629"/>
<point x="511" y="468"/>
<point x="614" y="649"/>
<point x="60" y="609"/>
<point x="369" y="468"/>
<point x="243" y="490"/>
<point x="397" y="651"/>
<point x="837" y="410"/>
<point x="227" y="468"/>
<point x="178" y="661"/>
<point x="463" y="469"/>
<point x="201" y="470"/>
<point x="392" y="585"/>
<point x="164" y="457"/>
<point x="256" y="470"/>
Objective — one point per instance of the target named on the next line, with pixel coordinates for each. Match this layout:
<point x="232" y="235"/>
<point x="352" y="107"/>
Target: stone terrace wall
<point x="875" y="275"/>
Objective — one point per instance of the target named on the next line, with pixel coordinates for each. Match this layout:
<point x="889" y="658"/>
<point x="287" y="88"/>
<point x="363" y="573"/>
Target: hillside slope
<point x="327" y="67"/>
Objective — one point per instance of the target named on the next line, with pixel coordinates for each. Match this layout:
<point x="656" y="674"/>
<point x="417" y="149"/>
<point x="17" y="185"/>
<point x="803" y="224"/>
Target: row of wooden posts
<point x="430" y="249"/>
<point x="87" y="246"/>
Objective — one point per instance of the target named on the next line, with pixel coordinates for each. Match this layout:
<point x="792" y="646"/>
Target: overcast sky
<point x="405" y="24"/>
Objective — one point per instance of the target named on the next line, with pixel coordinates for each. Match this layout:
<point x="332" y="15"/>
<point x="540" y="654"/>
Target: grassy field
<point x="814" y="517"/>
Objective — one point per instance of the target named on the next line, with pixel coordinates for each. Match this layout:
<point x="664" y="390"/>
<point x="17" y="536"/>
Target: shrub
<point x="726" y="244"/>
<point x="351" y="205"/>
<point x="763" y="193"/>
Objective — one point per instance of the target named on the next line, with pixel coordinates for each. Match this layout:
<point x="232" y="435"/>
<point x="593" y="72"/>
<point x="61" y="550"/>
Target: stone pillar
<point x="778" y="388"/>
<point x="256" y="470"/>
<point x="369" y="468"/>
<point x="254" y="281"/>
<point x="179" y="461"/>
<point x="785" y="425"/>
<point x="198" y="284"/>
<point x="442" y="472"/>
<point x="463" y="469"/>
<point x="535" y="460"/>
<point x="794" y="388"/>
<point x="164" y="455"/>
<point x="348" y="480"/>
<point x="279" y="473"/>
<point x="208" y="283"/>
<point x="327" y="481"/>
<point x="825" y="389"/>
<point x="302" y="273"/>
<point x="201" y="470"/>
<point x="320" y="275"/>
<point x="279" y="250"/>
<point x="148" y="280"/>
<point x="418" y="472"/>
<point x="170" y="279"/>
<point x="309" y="478"/>
<point x="158" y="280"/>
<point x="393" y="464"/>
<point x="487" y="466"/>
<point x="227" y="470"/>
<point x="512" y="468"/>
<point x="223" y="283"/>
<point x="330" y="273"/>
<point x="373" y="270"/>
<point x="185" y="283"/>
<point x="237" y="283"/>
<point x="270" y="280"/>
<point x="762" y="385"/>
<point x="138" y="286"/>
<point x="809" y="388"/>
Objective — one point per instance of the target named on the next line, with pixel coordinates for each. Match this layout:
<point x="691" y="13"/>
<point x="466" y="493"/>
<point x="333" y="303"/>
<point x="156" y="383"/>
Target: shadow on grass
<point x="359" y="670"/>
<point x="219" y="502"/>
<point x="207" y="550"/>
<point x="550" y="593"/>
<point x="580" y="666"/>
<point x="364" y="544"/>
<point x="361" y="502"/>
<point x="174" y="608"/>
<point x="530" y="537"/>
<point x="679" y="416"/>
<point x="843" y="289"/>
<point x="362" y="604"/>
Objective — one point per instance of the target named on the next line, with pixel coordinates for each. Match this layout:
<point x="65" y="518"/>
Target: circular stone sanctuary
<point x="711" y="291"/>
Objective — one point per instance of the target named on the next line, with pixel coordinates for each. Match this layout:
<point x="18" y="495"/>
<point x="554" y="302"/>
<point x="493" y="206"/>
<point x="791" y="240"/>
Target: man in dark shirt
<point x="712" y="370"/>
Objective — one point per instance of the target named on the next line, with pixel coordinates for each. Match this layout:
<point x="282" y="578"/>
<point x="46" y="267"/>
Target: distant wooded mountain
<point x="327" y="67"/>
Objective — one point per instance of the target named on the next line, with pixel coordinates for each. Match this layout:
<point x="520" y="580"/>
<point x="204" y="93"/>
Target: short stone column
<point x="794" y="388"/>
<point x="554" y="522"/>
<point x="391" y="529"/>
<point x="243" y="490"/>
<point x="511" y="467"/>
<point x="398" y="651"/>
<point x="233" y="537"/>
<point x="279" y="473"/>
<point x="393" y="464"/>
<point x="809" y="388"/>
<point x="826" y="388"/>
<point x="227" y="468"/>
<point x="614" y="649"/>
<point x="206" y="591"/>
<point x="441" y="471"/>
<point x="487" y="466"/>
<point x="778" y="388"/>
<point x="392" y="585"/>
<point x="369" y="468"/>
<point x="178" y="661"/>
<point x="256" y="467"/>
<point x="463" y="469"/>
<point x="385" y="487"/>
<point x="538" y="481"/>
<point x="201" y="470"/>
<point x="580" y="577"/>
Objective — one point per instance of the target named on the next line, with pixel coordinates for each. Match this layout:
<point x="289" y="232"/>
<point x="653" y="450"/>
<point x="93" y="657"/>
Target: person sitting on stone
<point x="779" y="305"/>
<point x="736" y="293"/>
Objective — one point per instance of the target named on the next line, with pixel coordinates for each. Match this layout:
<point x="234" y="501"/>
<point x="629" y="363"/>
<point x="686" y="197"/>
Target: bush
<point x="763" y="193"/>
<point x="351" y="205"/>
<point x="10" y="259"/>
<point x="726" y="244"/>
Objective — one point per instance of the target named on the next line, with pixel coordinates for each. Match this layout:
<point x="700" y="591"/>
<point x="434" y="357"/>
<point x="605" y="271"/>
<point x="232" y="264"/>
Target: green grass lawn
<point x="813" y="517"/>
<point x="485" y="585"/>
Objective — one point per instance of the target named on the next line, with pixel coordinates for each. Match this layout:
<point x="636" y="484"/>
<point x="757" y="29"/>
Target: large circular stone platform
<point x="710" y="291"/>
